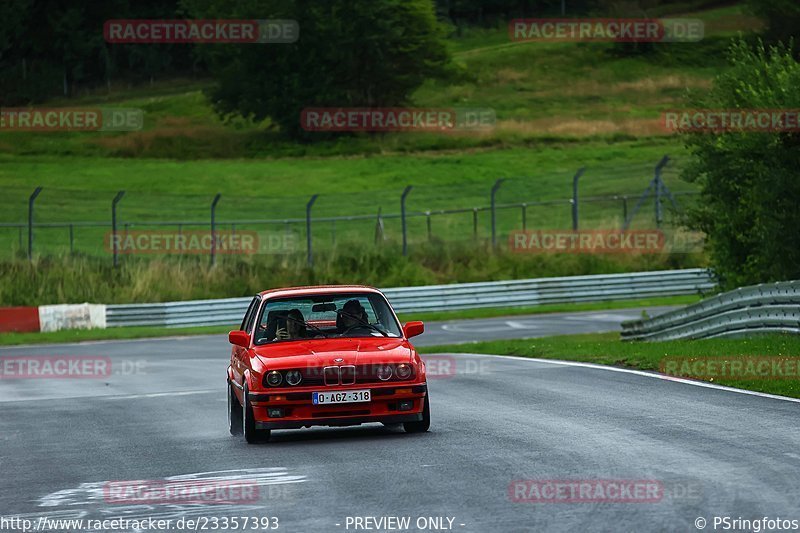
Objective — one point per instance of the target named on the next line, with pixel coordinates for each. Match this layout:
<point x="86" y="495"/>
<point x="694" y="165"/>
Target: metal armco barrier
<point x="529" y="292"/>
<point x="765" y="308"/>
<point x="172" y="314"/>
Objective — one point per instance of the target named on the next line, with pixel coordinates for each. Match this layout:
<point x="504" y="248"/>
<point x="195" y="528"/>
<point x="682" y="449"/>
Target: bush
<point x="750" y="190"/>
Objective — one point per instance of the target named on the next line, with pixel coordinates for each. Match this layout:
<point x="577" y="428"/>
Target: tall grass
<point x="50" y="280"/>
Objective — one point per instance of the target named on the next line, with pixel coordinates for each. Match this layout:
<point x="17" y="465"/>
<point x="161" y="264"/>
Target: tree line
<point x="54" y="48"/>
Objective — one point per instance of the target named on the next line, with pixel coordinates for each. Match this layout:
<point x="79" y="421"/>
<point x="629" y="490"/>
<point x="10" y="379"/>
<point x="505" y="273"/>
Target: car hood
<point x="324" y="352"/>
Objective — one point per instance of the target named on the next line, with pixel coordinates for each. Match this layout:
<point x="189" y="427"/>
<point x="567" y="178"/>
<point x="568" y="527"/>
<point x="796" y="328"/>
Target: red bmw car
<point x="324" y="356"/>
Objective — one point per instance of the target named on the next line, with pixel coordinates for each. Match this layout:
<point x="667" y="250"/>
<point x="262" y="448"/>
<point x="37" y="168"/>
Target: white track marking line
<point x="110" y="396"/>
<point x="109" y="341"/>
<point x="644" y="373"/>
<point x="159" y="394"/>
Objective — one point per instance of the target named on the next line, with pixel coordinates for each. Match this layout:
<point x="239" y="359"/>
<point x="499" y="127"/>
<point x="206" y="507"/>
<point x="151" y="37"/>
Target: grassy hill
<point x="540" y="91"/>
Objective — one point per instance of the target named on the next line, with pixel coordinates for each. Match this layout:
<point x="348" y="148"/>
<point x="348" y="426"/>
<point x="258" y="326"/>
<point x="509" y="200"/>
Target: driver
<point x="352" y="314"/>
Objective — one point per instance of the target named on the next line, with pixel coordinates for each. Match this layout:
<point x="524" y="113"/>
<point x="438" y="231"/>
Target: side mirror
<point x="412" y="329"/>
<point x="239" y="338"/>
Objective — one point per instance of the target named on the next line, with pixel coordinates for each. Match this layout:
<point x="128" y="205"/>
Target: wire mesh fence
<point x="69" y="221"/>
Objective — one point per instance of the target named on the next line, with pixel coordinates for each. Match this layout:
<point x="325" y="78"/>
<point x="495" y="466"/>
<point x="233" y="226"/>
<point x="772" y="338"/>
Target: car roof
<point x="316" y="289"/>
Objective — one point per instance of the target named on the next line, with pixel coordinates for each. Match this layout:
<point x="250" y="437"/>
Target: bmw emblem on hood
<point x="338" y="360"/>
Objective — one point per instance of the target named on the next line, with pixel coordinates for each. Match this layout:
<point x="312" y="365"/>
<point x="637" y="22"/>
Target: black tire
<point x="234" y="412"/>
<point x="423" y="425"/>
<point x="251" y="434"/>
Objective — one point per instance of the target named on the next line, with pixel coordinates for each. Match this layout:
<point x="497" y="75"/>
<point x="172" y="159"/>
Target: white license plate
<point x="349" y="396"/>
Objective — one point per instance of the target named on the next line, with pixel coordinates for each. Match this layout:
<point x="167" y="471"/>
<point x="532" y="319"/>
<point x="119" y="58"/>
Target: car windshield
<point x="326" y="316"/>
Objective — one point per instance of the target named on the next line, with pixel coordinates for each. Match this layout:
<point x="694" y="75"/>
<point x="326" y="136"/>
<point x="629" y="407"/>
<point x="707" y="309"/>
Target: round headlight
<point x="293" y="377"/>
<point x="274" y="378"/>
<point x="403" y="371"/>
<point x="384" y="372"/>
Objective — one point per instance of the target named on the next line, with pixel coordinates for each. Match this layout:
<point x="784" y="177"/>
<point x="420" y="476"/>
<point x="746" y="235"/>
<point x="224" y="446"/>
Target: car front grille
<point x="331" y="375"/>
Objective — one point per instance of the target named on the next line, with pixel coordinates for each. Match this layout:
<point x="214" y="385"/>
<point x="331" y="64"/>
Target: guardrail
<point x="765" y="308"/>
<point x="529" y="292"/>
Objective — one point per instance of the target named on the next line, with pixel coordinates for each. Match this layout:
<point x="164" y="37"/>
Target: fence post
<point x="31" y="199"/>
<point x="403" y="216"/>
<point x="428" y="224"/>
<point x="114" y="243"/>
<point x="308" y="230"/>
<point x="575" y="179"/>
<point x="624" y="208"/>
<point x="661" y="164"/>
<point x="379" y="229"/>
<point x="524" y="216"/>
<point x="643" y="197"/>
<point x="213" y="229"/>
<point x="495" y="187"/>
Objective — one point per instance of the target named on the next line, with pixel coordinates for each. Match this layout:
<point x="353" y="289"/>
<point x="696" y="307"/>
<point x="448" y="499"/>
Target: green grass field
<point x="607" y="349"/>
<point x="559" y="107"/>
<point x="81" y="189"/>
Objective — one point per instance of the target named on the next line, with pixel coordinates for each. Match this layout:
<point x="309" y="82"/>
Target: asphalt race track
<point x="521" y="327"/>
<point x="160" y="416"/>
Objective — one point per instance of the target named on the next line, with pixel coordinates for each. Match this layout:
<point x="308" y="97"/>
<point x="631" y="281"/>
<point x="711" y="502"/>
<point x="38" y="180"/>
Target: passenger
<point x="296" y="325"/>
<point x="292" y="326"/>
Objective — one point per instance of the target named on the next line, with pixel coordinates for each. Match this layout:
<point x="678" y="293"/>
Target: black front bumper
<point x="342" y="421"/>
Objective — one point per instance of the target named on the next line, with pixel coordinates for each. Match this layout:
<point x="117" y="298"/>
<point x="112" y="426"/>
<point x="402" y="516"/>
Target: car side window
<point x="248" y="316"/>
<point x="252" y="318"/>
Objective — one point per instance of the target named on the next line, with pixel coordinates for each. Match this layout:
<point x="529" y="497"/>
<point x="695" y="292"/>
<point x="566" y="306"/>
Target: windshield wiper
<point x="308" y="325"/>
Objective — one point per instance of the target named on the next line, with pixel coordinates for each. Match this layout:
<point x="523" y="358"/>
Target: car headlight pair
<point x="402" y="371"/>
<point x="275" y="378"/>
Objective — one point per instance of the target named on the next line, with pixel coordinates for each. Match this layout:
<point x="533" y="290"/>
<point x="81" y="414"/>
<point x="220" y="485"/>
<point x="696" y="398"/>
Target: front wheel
<point x="234" y="412"/>
<point x="251" y="434"/>
<point x="423" y="425"/>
